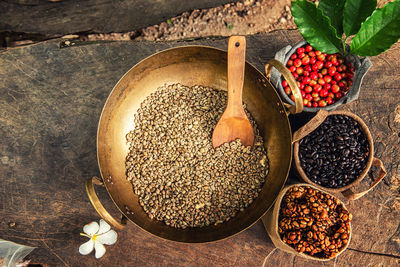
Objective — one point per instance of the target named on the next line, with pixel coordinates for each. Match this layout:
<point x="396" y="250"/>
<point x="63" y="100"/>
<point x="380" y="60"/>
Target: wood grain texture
<point x="50" y="103"/>
<point x="234" y="123"/>
<point x="64" y="17"/>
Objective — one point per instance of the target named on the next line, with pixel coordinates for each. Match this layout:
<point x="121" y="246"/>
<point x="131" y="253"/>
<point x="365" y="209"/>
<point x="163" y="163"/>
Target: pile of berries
<point x="323" y="79"/>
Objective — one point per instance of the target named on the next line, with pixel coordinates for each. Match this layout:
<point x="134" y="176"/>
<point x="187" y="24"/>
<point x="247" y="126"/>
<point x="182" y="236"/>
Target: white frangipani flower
<point x="99" y="236"/>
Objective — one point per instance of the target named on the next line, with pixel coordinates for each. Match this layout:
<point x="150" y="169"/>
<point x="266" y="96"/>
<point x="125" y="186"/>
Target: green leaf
<point x="378" y="32"/>
<point x="333" y="9"/>
<point x="354" y="13"/>
<point x="315" y="27"/>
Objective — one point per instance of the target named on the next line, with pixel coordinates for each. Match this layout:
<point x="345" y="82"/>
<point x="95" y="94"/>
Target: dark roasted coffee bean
<point x="336" y="148"/>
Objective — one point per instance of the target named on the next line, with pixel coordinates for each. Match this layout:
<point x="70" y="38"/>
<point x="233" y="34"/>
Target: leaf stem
<point x="344" y="47"/>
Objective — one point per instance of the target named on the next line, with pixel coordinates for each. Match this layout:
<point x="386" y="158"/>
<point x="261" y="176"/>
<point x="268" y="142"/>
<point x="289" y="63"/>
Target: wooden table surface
<point x="58" y="17"/>
<point x="50" y="102"/>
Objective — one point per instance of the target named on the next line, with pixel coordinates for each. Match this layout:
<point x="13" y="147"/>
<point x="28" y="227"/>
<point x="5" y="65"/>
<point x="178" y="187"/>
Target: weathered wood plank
<point x="64" y="17"/>
<point x="50" y="103"/>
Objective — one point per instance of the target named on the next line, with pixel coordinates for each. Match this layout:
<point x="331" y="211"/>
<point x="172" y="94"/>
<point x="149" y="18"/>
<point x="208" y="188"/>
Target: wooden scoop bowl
<point x="234" y="123"/>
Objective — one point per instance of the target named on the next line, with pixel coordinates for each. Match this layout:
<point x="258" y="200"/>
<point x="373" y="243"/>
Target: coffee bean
<point x="178" y="176"/>
<point x="337" y="147"/>
<point x="313" y="222"/>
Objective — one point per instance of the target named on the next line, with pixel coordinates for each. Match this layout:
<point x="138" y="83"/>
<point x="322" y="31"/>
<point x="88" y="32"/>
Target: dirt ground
<point x="241" y="18"/>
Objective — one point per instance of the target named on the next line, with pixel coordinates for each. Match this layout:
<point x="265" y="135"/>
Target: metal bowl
<point x="189" y="65"/>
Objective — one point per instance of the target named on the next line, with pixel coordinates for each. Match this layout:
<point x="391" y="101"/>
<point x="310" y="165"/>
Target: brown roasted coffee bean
<point x="321" y="236"/>
<point x="314" y="251"/>
<point x="315" y="235"/>
<point x="292" y="236"/>
<point x="316" y="214"/>
<point x="298" y="194"/>
<point x="324" y="214"/>
<point x="310" y="235"/>
<point x="327" y="242"/>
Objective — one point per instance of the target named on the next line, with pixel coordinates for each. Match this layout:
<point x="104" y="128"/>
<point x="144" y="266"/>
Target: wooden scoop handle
<point x="236" y="63"/>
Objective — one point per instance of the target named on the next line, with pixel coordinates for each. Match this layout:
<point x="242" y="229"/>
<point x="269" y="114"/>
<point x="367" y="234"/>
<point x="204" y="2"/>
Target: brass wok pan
<point x="189" y="65"/>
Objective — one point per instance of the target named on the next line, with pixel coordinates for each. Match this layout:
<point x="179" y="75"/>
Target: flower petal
<point x="91" y="228"/>
<point x="100" y="249"/>
<point x="87" y="247"/>
<point x="108" y="238"/>
<point x="104" y="227"/>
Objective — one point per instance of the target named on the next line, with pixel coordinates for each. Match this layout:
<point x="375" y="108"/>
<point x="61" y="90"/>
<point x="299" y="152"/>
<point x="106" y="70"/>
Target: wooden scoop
<point x="234" y="123"/>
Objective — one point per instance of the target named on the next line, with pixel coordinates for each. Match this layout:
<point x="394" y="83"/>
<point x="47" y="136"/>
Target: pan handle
<point x="291" y="81"/>
<point x="98" y="206"/>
